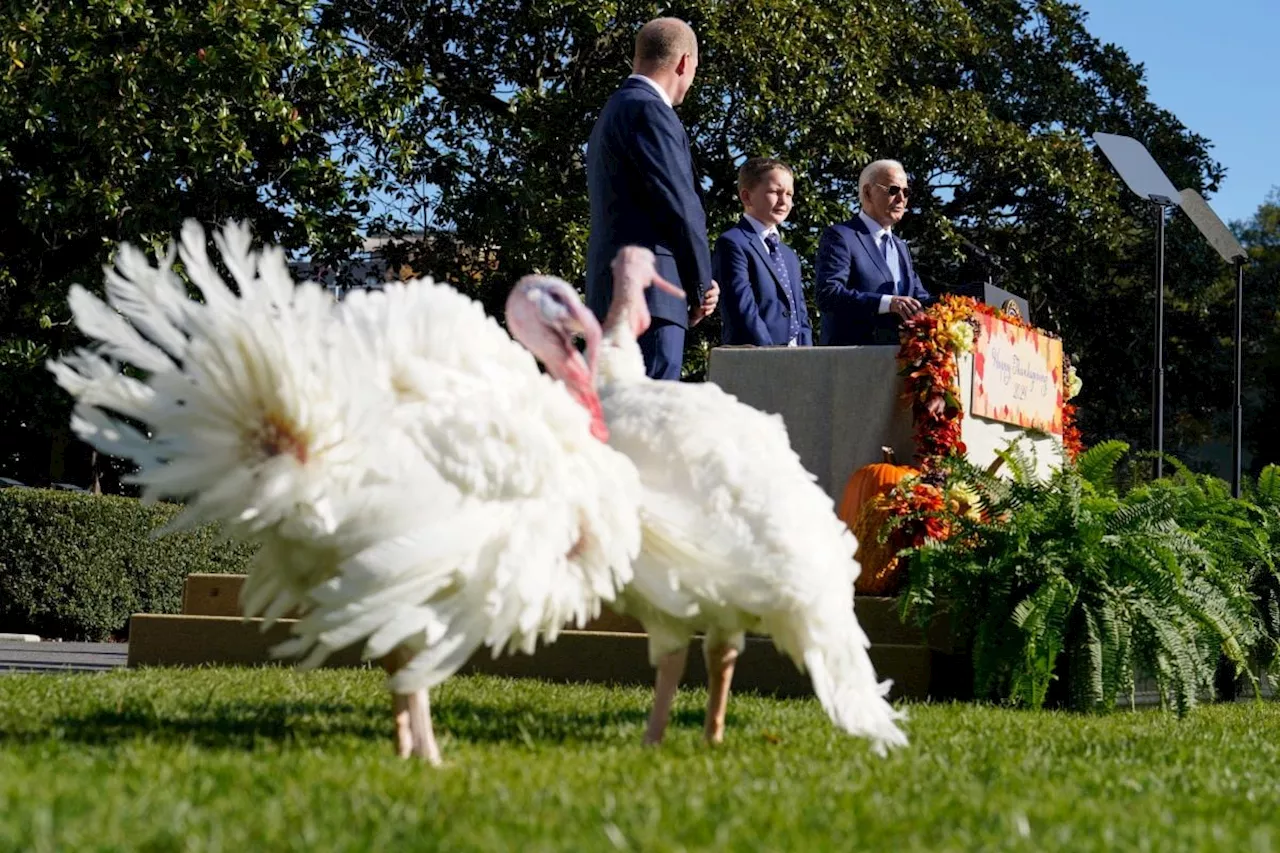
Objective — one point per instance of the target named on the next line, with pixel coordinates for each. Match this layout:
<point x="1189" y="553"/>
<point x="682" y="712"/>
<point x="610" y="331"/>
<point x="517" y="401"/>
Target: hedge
<point x="75" y="566"/>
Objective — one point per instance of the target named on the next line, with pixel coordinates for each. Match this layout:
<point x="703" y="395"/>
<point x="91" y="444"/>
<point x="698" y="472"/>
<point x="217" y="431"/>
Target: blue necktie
<point x="888" y="262"/>
<point x="780" y="265"/>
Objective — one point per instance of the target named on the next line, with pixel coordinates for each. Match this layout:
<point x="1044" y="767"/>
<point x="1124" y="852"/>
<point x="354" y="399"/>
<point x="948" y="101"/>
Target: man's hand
<point x="904" y="306"/>
<point x="710" y="298"/>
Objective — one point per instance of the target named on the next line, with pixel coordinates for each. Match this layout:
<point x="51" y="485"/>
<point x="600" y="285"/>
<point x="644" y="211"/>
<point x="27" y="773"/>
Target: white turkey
<point x="559" y="521"/>
<point x="737" y="535"/>
<point x="415" y="483"/>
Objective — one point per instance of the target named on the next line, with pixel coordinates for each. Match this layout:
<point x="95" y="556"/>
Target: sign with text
<point x="1017" y="376"/>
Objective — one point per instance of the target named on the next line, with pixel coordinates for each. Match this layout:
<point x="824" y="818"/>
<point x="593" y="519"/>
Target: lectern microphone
<point x="981" y="254"/>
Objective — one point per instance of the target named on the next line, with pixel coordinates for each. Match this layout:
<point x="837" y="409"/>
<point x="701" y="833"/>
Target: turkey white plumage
<point x="412" y="479"/>
<point x="559" y="523"/>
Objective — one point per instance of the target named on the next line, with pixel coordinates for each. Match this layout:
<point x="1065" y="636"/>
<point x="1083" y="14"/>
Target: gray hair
<point x="871" y="170"/>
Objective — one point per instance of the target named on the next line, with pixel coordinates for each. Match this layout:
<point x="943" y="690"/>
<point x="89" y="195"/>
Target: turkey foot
<point x="414" y="735"/>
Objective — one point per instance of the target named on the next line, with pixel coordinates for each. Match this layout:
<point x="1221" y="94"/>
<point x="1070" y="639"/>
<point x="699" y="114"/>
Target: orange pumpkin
<point x="864" y="513"/>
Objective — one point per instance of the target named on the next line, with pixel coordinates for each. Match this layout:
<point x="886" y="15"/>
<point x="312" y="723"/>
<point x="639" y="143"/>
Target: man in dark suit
<point x="763" y="300"/>
<point x="642" y="189"/>
<point x="866" y="282"/>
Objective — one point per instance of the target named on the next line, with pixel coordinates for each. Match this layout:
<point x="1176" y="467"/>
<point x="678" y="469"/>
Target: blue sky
<point x="1213" y="65"/>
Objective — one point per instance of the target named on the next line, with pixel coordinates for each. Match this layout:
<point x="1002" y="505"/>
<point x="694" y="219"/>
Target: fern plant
<point x="1071" y="565"/>
<point x="1264" y="582"/>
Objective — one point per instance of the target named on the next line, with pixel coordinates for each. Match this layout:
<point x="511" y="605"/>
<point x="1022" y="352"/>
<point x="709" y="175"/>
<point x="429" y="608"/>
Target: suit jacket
<point x="754" y="305"/>
<point x="643" y="192"/>
<point x="851" y="276"/>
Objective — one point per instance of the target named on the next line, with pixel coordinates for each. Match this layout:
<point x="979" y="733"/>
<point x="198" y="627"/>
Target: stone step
<point x="219" y="595"/>
<point x="577" y="656"/>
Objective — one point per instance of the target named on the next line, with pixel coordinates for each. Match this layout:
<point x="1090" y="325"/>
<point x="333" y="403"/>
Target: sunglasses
<point x="895" y="191"/>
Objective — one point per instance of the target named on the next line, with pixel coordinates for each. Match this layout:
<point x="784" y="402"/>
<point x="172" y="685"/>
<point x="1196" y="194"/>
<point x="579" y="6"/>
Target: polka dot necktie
<point x="775" y="255"/>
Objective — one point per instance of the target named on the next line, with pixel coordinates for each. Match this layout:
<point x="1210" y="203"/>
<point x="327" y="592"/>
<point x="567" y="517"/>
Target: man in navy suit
<point x="866" y="282"/>
<point x="643" y="192"/>
<point x="763" y="300"/>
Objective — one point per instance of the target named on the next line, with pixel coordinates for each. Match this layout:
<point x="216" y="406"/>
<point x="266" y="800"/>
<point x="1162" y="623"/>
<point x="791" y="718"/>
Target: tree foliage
<point x="1260" y="236"/>
<point x="119" y="118"/>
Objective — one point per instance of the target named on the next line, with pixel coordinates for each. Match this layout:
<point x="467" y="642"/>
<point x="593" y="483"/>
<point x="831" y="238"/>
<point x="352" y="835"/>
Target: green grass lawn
<point x="270" y="759"/>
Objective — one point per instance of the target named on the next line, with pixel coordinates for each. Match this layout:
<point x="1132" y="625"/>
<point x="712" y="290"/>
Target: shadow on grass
<point x="244" y="725"/>
<point x="481" y="722"/>
<point x="229" y="724"/>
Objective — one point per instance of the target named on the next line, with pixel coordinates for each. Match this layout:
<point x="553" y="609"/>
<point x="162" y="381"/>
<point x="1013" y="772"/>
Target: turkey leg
<point x="670" y="671"/>
<point x="720" y="663"/>
<point x="414" y="734"/>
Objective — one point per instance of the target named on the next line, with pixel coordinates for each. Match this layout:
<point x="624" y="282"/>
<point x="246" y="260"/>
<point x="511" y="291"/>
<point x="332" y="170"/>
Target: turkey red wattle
<point x="577" y="379"/>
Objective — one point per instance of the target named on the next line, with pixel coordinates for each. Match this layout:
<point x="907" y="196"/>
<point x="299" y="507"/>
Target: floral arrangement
<point x="922" y="507"/>
<point x="930" y="343"/>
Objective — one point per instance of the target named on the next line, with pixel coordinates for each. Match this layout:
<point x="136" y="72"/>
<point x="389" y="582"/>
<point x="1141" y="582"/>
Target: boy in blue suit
<point x="643" y="192"/>
<point x="763" y="300"/>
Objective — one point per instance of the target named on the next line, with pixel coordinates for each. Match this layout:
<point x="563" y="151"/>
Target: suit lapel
<point x="870" y="244"/>
<point x="757" y="245"/>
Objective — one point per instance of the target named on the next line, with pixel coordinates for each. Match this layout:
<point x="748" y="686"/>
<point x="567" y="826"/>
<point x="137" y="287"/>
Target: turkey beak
<point x="582" y="322"/>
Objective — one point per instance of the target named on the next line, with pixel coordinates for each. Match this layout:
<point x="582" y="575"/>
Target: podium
<point x="842" y="404"/>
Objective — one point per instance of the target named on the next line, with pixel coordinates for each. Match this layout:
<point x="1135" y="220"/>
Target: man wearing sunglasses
<point x="866" y="283"/>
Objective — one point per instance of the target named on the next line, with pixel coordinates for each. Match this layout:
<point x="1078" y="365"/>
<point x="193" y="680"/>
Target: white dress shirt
<point x="666" y="99"/>
<point x="878" y="233"/>
<point x="762" y="230"/>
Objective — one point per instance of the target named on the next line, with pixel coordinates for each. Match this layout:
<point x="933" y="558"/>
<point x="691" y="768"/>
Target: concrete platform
<point x="612" y="649"/>
<point x="219" y="595"/>
<point x="576" y="656"/>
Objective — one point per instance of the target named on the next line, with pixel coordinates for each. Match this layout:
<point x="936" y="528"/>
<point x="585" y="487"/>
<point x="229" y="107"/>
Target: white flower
<point x="960" y="336"/>
<point x="1073" y="382"/>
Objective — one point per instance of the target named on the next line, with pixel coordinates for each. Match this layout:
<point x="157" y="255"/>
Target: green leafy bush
<point x="75" y="566"/>
<point x="1265" y="584"/>
<point x="1161" y="578"/>
<point x="1243" y="537"/>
